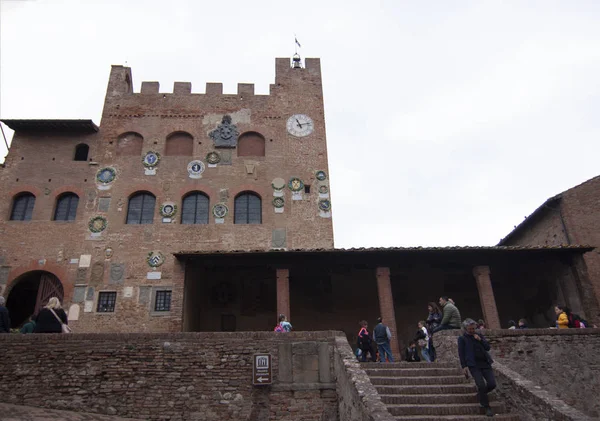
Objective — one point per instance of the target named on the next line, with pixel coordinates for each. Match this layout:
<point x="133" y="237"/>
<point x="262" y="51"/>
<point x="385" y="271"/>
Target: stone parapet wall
<point x="191" y="376"/>
<point x="358" y="398"/>
<point x="565" y="363"/>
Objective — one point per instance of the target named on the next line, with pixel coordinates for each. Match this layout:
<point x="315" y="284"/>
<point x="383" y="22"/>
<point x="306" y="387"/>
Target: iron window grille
<point x="66" y="207"/>
<point x="247" y="209"/>
<point x="22" y="207"/>
<point x="141" y="209"/>
<point x="195" y="209"/>
<point x="163" y="301"/>
<point x="106" y="302"/>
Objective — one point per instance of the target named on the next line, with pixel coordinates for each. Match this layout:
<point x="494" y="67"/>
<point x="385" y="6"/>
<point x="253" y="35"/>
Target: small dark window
<point x="106" y="302"/>
<point x="247" y="209"/>
<point x="141" y="209"/>
<point x="306" y="189"/>
<point x="163" y="301"/>
<point x="22" y="207"/>
<point x="195" y="209"/>
<point x="81" y="152"/>
<point x="66" y="207"/>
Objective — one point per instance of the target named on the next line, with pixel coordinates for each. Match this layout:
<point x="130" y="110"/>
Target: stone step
<point x="412" y="372"/>
<point x="497" y="417"/>
<point x="445" y="409"/>
<point x="410" y="365"/>
<point x="444" y="389"/>
<point x="433" y="380"/>
<point x="431" y="399"/>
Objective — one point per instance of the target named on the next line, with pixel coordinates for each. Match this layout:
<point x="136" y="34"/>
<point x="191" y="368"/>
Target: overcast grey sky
<point x="447" y="121"/>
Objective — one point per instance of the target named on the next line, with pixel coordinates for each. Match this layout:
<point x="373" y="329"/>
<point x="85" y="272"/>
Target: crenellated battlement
<point x="120" y="82"/>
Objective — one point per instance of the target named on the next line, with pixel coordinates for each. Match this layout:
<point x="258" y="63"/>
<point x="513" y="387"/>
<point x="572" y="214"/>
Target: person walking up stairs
<point x="431" y="391"/>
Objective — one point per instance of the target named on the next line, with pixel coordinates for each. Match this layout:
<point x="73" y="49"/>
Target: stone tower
<point x="102" y="209"/>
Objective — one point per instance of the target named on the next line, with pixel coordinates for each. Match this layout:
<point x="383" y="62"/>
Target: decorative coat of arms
<point x="321" y="175"/>
<point x="151" y="159"/>
<point x="168" y="209"/>
<point x="278" y="202"/>
<point x="220" y="210"/>
<point x="324" y="205"/>
<point x="226" y="134"/>
<point x="213" y="158"/>
<point x="195" y="169"/>
<point x="97" y="224"/>
<point x="155" y="259"/>
<point x="106" y="175"/>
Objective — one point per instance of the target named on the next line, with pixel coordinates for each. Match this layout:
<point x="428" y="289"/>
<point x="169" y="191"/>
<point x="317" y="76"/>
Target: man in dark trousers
<point x="382" y="336"/>
<point x="4" y="318"/>
<point x="475" y="359"/>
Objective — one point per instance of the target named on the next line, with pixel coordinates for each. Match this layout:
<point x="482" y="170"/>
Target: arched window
<point x="180" y="144"/>
<point x="247" y="209"/>
<point x="22" y="207"/>
<point x="66" y="207"/>
<point x="251" y="144"/>
<point x="81" y="152"/>
<point x="195" y="208"/>
<point x="141" y="208"/>
<point x="130" y="144"/>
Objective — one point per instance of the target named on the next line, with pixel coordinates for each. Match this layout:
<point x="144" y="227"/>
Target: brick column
<point x="283" y="292"/>
<point x="386" y="307"/>
<point x="486" y="296"/>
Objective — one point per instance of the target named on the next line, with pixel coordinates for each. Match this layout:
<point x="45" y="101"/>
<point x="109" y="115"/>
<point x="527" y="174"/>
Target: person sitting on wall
<point x="522" y="324"/>
<point x="480" y="324"/>
<point x="451" y="316"/>
<point x="562" y="320"/>
<point x="412" y="353"/>
<point x="512" y="324"/>
<point x="29" y="326"/>
<point x="365" y="343"/>
<point x="475" y="359"/>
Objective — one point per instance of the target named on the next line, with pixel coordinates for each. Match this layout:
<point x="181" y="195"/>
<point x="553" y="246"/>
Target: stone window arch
<point x="140" y="209"/>
<point x="251" y="144"/>
<point x="180" y="144"/>
<point x="22" y="208"/>
<point x="66" y="207"/>
<point x="81" y="152"/>
<point x="247" y="208"/>
<point x="130" y="144"/>
<point x="195" y="208"/>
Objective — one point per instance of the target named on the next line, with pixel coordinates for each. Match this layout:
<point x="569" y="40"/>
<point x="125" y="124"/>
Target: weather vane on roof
<point x="296" y="57"/>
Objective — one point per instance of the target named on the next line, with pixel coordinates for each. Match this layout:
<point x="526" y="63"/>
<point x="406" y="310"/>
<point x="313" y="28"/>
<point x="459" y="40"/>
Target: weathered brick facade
<point x="177" y="126"/>
<point x="572" y="217"/>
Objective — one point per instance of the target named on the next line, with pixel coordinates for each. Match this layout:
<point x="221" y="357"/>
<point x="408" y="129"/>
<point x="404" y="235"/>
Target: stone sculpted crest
<point x="226" y="134"/>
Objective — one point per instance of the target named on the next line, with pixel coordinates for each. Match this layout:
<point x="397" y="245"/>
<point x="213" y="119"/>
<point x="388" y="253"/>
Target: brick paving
<point x="29" y="413"/>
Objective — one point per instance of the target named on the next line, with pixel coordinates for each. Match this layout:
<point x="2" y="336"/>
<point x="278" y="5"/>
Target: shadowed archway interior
<point x="30" y="293"/>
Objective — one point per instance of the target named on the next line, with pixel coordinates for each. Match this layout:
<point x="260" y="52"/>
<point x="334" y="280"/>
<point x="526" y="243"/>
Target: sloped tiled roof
<point x="497" y="249"/>
<point x="56" y="126"/>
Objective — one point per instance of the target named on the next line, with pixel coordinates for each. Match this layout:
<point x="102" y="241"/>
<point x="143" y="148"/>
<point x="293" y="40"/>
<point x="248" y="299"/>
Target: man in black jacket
<point x="4" y="318"/>
<point x="475" y="359"/>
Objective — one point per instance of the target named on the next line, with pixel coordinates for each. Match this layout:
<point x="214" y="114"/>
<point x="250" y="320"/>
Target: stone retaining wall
<point x="565" y="363"/>
<point x="192" y="376"/>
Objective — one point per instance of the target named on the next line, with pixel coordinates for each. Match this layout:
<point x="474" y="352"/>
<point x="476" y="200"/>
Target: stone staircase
<point x="430" y="391"/>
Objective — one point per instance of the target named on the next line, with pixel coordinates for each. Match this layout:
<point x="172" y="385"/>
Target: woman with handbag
<point x="52" y="318"/>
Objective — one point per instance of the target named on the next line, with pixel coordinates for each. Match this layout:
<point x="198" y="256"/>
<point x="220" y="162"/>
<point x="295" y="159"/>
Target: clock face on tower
<point x="300" y="125"/>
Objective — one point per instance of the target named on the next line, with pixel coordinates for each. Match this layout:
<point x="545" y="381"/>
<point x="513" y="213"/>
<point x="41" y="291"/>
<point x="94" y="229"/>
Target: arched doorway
<point x="30" y="292"/>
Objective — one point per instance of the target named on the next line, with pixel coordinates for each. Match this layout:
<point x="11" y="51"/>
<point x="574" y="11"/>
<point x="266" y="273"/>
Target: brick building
<point x="571" y="217"/>
<point x="212" y="212"/>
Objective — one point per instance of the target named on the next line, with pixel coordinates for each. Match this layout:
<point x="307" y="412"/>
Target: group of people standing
<point x="366" y="344"/>
<point x="50" y="319"/>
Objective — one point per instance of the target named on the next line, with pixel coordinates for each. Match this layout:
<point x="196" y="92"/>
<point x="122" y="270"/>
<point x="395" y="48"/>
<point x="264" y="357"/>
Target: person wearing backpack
<point x="365" y="343"/>
<point x="382" y="336"/>
<point x="283" y="325"/>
